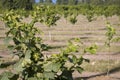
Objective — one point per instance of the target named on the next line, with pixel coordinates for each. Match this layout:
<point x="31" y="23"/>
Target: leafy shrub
<point x="32" y="63"/>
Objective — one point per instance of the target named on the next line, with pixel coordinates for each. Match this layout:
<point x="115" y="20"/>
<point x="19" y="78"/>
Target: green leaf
<point x="56" y="67"/>
<point x="40" y="75"/>
<point x="48" y="66"/>
<point x="71" y="47"/>
<point x="79" y="69"/>
<point x="67" y="75"/>
<point x="18" y="66"/>
<point x="80" y="61"/>
<point x="51" y="66"/>
<point x="38" y="45"/>
<point x="15" y="77"/>
<point x="11" y="47"/>
<point x="86" y="60"/>
<point x="73" y="19"/>
<point x="116" y="39"/>
<point x="92" y="49"/>
<point x="28" y="54"/>
<point x="49" y="75"/>
<point x="77" y="40"/>
<point x="110" y="31"/>
<point x="6" y="76"/>
<point x="74" y="58"/>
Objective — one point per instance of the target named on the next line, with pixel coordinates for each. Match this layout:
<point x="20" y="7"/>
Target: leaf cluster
<point x="29" y="47"/>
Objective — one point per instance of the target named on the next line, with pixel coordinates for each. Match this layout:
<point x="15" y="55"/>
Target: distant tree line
<point x="15" y="4"/>
<point x="77" y="2"/>
<point x="28" y="4"/>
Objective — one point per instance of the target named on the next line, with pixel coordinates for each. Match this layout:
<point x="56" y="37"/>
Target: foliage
<point x="110" y="34"/>
<point x="90" y="11"/>
<point x="78" y="2"/>
<point x="29" y="47"/>
<point x="32" y="63"/>
<point x="110" y="38"/>
<point x="46" y="15"/>
<point x="16" y="4"/>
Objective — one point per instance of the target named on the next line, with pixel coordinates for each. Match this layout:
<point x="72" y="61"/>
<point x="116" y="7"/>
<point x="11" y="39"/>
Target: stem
<point x="108" y="70"/>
